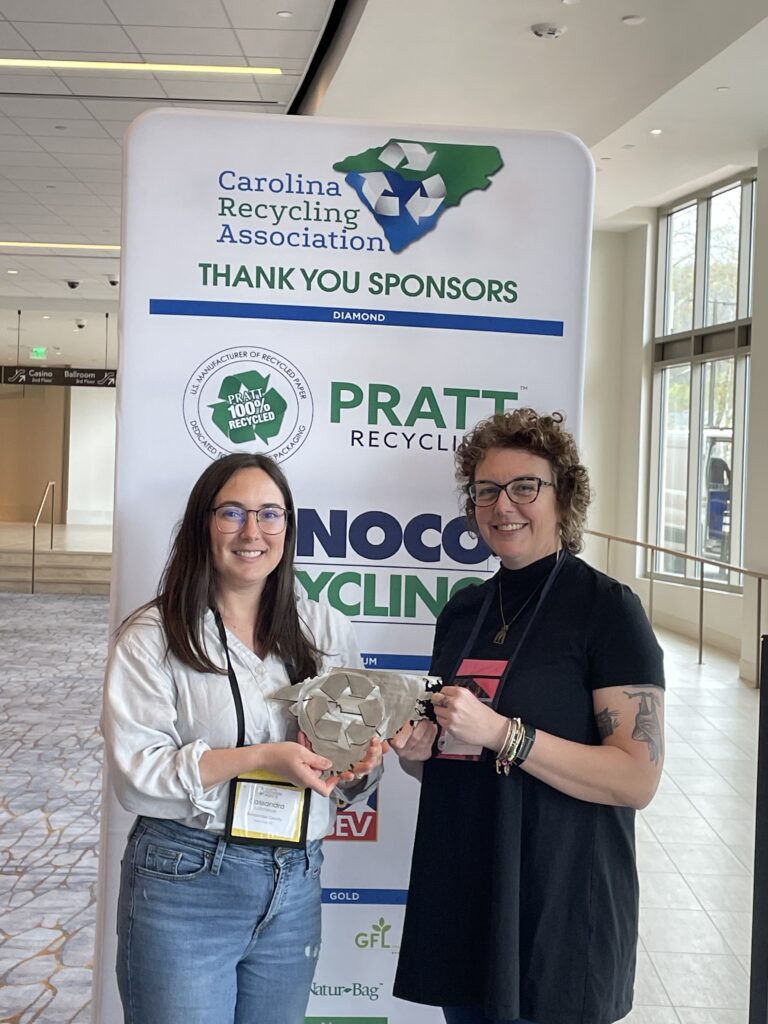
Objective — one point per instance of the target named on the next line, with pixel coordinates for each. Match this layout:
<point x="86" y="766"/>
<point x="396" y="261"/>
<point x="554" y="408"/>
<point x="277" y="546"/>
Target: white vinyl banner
<point x="349" y="299"/>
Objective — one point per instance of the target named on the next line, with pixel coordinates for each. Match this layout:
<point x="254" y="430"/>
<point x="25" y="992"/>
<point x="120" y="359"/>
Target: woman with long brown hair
<point x="219" y="907"/>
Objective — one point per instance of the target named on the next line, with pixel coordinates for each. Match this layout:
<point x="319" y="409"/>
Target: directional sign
<point x="59" y="376"/>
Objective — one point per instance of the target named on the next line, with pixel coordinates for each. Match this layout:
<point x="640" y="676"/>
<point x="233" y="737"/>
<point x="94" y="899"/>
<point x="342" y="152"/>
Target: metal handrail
<point x="702" y="560"/>
<point x="50" y="488"/>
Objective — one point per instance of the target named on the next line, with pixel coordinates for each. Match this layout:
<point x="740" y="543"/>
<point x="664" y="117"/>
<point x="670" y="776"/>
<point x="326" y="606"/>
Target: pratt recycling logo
<point x="408" y="186"/>
<point x="248" y="400"/>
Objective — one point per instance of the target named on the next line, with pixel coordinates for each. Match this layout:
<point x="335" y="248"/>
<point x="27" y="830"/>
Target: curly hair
<point x="525" y="430"/>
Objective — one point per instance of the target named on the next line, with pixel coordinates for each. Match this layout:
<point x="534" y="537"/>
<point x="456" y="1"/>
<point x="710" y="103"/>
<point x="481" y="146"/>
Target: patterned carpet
<point x="52" y="652"/>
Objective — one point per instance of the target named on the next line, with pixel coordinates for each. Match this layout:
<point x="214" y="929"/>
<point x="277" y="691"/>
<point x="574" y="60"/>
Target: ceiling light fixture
<point x="11" y="271"/>
<point x="546" y="30"/>
<point x="656" y="131"/>
<point x="57" y="245"/>
<point x="628" y="145"/>
<point x="109" y="65"/>
<point x="723" y="88"/>
<point x="285" y="14"/>
<point x="633" y="20"/>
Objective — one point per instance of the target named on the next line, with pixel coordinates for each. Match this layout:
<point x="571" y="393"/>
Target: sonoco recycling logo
<point x="248" y="400"/>
<point x="408" y="185"/>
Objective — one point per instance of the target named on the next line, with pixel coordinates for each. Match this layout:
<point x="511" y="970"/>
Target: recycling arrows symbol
<point x="411" y="156"/>
<point x="428" y="200"/>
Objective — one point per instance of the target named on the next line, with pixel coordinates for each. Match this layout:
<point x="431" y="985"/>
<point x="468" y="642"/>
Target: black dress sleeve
<point x="622" y="649"/>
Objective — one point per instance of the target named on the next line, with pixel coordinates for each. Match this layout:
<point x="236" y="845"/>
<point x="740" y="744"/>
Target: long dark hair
<point x="187" y="587"/>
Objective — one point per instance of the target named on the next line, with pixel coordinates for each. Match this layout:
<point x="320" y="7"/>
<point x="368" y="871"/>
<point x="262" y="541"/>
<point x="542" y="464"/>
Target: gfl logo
<point x="376" y="938"/>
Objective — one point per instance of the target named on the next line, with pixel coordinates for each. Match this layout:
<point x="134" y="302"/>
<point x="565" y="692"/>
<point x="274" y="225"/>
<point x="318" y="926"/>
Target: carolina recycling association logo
<point x="408" y="186"/>
<point x="248" y="400"/>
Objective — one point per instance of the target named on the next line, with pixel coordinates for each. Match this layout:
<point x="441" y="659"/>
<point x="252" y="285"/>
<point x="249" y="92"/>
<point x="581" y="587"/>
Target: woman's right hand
<point x="414" y="741"/>
<point x="297" y="764"/>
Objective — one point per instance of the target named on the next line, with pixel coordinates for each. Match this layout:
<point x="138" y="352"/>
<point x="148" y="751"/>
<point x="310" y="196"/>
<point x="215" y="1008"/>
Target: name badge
<point x="265" y="810"/>
<point x="482" y="677"/>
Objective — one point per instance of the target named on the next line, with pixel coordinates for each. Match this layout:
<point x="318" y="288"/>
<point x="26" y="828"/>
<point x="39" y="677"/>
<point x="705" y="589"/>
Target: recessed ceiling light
<point x="546" y="30"/>
<point x="570" y="3"/>
<point x="605" y="158"/>
<point x="656" y="131"/>
<point x="110" y="65"/>
<point x="723" y="88"/>
<point x="628" y="145"/>
<point x="60" y="127"/>
<point x="633" y="19"/>
<point x="11" y="271"/>
<point x="285" y="14"/>
<point x="46" y="317"/>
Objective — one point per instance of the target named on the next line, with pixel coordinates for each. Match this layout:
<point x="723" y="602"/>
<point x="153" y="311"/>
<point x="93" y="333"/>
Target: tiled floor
<point x="695" y="841"/>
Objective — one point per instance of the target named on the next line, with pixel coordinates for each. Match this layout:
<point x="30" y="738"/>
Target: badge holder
<point x="265" y="810"/>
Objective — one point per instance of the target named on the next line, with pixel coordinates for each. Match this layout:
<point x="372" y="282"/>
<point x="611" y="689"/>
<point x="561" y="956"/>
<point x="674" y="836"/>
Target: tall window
<point x="700" y="386"/>
<point x="723" y="256"/>
<point x="673" y="468"/>
<point x="680" y="263"/>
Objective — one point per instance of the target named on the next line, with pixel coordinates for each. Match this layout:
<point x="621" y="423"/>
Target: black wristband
<point x="525" y="745"/>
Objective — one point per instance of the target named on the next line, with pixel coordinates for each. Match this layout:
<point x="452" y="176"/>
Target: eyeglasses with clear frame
<point x="271" y="519"/>
<point x="523" y="490"/>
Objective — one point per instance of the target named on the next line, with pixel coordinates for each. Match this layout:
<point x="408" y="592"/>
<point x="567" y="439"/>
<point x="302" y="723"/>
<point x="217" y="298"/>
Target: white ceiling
<point x="449" y="61"/>
<point x="423" y="62"/>
<point x="61" y="136"/>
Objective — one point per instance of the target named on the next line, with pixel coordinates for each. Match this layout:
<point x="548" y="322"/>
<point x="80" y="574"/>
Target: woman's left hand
<point x="370" y="760"/>
<point x="469" y="719"/>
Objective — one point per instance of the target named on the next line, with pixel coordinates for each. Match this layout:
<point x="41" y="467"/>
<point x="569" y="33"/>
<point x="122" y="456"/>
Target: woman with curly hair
<point x="523" y="900"/>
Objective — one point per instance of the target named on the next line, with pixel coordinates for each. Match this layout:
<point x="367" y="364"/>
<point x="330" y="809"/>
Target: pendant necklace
<point x="501" y="636"/>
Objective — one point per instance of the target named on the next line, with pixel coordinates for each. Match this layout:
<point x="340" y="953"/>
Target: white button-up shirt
<point x="161" y="716"/>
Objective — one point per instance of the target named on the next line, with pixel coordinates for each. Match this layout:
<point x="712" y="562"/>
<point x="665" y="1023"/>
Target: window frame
<point x="694" y="347"/>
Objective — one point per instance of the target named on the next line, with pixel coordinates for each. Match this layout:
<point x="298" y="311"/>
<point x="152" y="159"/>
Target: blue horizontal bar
<point x="401" y="662"/>
<point x="356" y="897"/>
<point x="379" y="317"/>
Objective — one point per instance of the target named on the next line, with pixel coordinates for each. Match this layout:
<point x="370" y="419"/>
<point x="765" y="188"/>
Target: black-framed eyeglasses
<point x="232" y="518"/>
<point x="522" y="490"/>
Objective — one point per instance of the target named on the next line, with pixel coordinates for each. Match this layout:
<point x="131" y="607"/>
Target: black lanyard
<point x="234" y="833"/>
<point x="485" y="607"/>
<point x="233" y="684"/>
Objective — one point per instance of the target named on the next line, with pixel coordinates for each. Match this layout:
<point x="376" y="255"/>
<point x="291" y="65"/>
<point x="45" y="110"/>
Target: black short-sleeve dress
<point x="523" y="901"/>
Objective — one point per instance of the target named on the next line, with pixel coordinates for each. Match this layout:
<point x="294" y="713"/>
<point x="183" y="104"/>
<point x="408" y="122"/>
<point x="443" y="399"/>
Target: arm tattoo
<point x="647" y="725"/>
<point x="606" y="720"/>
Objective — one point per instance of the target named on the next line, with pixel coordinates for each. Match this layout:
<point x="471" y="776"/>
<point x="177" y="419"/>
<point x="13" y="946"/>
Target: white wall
<point x="756" y="475"/>
<point x="616" y="438"/>
<point x="91" y="477"/>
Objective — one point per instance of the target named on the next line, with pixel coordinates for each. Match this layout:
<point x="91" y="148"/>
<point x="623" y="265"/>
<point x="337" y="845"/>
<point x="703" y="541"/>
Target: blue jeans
<point x="468" y="1015"/>
<point x="211" y="932"/>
